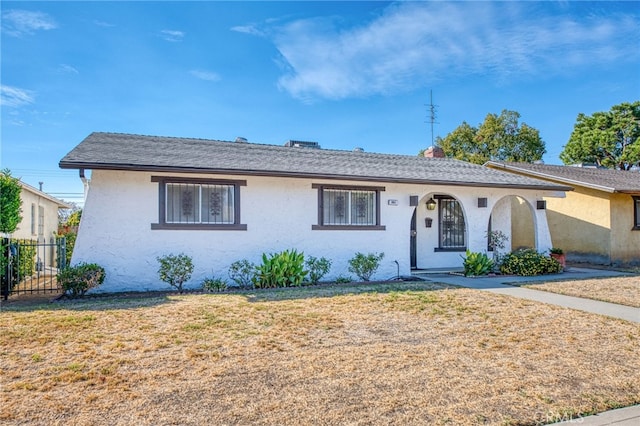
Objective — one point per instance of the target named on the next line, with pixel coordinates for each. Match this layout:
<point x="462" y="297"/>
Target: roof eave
<point x="160" y="169"/>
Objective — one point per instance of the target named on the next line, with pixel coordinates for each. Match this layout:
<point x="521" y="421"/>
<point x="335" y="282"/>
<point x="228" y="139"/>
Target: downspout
<point x="85" y="184"/>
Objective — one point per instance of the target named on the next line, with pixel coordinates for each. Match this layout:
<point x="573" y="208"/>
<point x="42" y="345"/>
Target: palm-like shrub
<point x="476" y="264"/>
<point x="284" y="269"/>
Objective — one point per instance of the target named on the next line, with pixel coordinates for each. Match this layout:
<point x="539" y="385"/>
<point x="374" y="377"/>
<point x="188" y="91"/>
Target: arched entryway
<point x="514" y="217"/>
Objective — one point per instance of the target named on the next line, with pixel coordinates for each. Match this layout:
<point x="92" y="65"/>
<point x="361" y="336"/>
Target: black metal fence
<point x="31" y="266"/>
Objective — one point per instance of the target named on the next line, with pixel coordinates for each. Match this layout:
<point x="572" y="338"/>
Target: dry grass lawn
<point x="621" y="290"/>
<point x="409" y="353"/>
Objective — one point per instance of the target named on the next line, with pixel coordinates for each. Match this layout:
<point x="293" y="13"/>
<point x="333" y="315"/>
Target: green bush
<point x="364" y="266"/>
<point x="175" y="270"/>
<point x="70" y="243"/>
<point x="76" y="280"/>
<point x="528" y="262"/>
<point x="318" y="268"/>
<point x="476" y="264"/>
<point x="24" y="264"/>
<point x="214" y="284"/>
<point x="242" y="272"/>
<point x="284" y="269"/>
<point x="343" y="280"/>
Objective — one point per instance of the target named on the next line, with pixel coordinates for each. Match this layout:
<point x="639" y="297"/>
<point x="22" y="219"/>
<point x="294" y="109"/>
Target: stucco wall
<point x="580" y="225"/>
<point x="522" y="228"/>
<point x="50" y="217"/>
<point x="625" y="246"/>
<point x="115" y="230"/>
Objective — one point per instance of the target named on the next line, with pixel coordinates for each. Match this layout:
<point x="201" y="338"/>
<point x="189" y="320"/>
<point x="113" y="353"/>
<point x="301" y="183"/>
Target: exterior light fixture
<point x="431" y="204"/>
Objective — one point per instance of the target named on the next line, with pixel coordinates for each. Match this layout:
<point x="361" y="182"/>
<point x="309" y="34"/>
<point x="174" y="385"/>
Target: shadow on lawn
<point x="335" y="289"/>
<point x="133" y="300"/>
<point x="92" y="302"/>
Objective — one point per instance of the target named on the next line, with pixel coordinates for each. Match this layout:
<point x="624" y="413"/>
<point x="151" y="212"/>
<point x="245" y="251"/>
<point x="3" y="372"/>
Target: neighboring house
<point x="220" y="202"/>
<point x="598" y="222"/>
<point x="39" y="222"/>
<point x="39" y="215"/>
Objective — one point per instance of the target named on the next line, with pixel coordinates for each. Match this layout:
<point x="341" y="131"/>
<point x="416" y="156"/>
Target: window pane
<point x="217" y="204"/>
<point x="637" y="211"/>
<point x="183" y="203"/>
<point x="335" y="207"/>
<point x="452" y="226"/>
<point x="363" y="210"/>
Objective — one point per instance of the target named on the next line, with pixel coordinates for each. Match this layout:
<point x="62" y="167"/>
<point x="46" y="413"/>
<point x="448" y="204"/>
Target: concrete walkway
<point x="629" y="416"/>
<point x="500" y="284"/>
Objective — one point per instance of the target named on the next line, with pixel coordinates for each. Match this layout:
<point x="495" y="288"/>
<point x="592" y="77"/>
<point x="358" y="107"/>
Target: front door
<point x="413" y="241"/>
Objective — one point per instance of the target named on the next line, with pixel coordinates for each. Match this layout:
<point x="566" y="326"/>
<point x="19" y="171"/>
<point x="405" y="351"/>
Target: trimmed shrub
<point x="175" y="270"/>
<point x="318" y="268"/>
<point x="528" y="262"/>
<point x="364" y="266"/>
<point x="214" y="284"/>
<point x="76" y="280"/>
<point x="284" y="269"/>
<point x="476" y="264"/>
<point x="242" y="272"/>
<point x="343" y="280"/>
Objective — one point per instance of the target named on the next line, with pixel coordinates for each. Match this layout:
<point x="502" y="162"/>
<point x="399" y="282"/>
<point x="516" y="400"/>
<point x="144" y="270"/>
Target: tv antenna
<point x="432" y="114"/>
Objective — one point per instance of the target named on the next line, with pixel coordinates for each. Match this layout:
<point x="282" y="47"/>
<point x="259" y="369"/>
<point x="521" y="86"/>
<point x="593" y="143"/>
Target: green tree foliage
<point x="499" y="137"/>
<point x="73" y="214"/>
<point x="609" y="139"/>
<point x="74" y="218"/>
<point x="10" y="202"/>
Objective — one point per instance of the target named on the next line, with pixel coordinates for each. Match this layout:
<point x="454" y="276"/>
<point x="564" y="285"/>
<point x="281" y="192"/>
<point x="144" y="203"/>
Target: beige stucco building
<point x="39" y="215"/>
<point x="597" y="222"/>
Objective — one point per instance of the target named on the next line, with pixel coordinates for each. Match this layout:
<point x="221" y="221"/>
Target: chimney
<point x="434" y="152"/>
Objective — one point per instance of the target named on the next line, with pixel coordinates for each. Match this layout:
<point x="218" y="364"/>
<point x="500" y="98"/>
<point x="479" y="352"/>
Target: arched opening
<point x="514" y="217"/>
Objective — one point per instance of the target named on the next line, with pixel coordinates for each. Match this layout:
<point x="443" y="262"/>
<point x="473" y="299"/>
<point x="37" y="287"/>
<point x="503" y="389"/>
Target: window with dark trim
<point x="348" y="207"/>
<point x="452" y="227"/>
<point x="189" y="203"/>
<point x="636" y="213"/>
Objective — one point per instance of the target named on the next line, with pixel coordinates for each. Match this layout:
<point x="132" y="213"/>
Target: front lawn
<point x="408" y="353"/>
<point x="621" y="290"/>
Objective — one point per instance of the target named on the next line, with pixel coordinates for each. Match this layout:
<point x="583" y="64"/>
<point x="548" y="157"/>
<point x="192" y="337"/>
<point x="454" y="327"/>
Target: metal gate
<point x="31" y="266"/>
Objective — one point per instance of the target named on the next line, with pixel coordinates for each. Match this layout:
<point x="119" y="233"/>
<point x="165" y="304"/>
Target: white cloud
<point x="17" y="23"/>
<point x="205" y="75"/>
<point x="67" y="69"/>
<point x="172" y="35"/>
<point x="412" y="44"/>
<point x="15" y="97"/>
<point x="248" y="29"/>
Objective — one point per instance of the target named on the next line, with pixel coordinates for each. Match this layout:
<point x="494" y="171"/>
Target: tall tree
<point x="610" y="139"/>
<point x="10" y="202"/>
<point x="499" y="137"/>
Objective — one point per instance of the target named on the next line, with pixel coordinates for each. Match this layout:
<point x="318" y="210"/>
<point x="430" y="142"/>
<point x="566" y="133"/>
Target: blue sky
<point x="344" y="74"/>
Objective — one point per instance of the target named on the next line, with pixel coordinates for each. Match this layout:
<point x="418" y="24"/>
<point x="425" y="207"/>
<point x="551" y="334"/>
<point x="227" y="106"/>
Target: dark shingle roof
<point x="153" y="153"/>
<point x="601" y="179"/>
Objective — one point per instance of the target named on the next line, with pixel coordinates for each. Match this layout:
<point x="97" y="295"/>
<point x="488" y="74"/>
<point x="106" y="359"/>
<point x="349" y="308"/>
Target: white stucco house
<point x="220" y="202"/>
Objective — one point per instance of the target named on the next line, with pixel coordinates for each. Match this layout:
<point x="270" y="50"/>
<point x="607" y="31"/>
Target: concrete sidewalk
<point x="629" y="416"/>
<point x="500" y="284"/>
